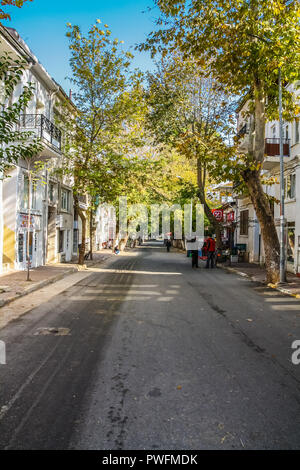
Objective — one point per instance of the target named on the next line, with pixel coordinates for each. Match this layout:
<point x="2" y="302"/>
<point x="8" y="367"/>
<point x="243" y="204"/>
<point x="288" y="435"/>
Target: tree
<point x="189" y="112"/>
<point x="4" y="15"/>
<point x="243" y="42"/>
<point x="16" y="143"/>
<point x="107" y="96"/>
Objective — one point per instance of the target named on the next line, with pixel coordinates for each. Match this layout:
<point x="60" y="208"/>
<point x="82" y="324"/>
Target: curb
<point x="37" y="286"/>
<point x="273" y="286"/>
<point x="46" y="282"/>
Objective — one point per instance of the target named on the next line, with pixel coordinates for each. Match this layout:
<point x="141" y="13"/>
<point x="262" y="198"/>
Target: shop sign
<point x="218" y="214"/>
<point x="230" y="216"/>
<point x="34" y="222"/>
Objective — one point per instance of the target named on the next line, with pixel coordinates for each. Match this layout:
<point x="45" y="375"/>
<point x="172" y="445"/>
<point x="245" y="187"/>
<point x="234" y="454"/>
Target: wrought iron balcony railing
<point x="272" y="147"/>
<point x="42" y="126"/>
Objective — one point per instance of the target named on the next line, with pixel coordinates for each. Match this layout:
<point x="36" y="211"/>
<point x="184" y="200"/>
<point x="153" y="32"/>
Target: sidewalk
<point x="14" y="285"/>
<point x="258" y="274"/>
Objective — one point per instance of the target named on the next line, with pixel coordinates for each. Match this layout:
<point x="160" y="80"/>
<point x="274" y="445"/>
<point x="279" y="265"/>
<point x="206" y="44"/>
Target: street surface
<point x="146" y="353"/>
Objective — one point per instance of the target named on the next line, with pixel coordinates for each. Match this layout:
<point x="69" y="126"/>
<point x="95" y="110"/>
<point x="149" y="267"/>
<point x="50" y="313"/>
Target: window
<point x="290" y="186"/>
<point x="273" y="128"/>
<point x="291" y="242"/>
<point x="244" y="222"/>
<point x="51" y="192"/>
<point x="68" y="239"/>
<point x="60" y="241"/>
<point x="35" y="242"/>
<point x="65" y="199"/>
<point x="286" y="132"/>
<point x="75" y="240"/>
<point x="297" y="131"/>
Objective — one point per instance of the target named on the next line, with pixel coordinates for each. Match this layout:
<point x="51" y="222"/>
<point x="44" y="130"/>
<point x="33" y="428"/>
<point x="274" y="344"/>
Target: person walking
<point x="195" y="259"/>
<point x="168" y="244"/>
<point x="194" y="252"/>
<point x="211" y="251"/>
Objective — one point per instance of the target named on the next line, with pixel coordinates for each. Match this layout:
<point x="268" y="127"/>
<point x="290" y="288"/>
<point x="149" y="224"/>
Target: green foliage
<point x="189" y="112"/>
<point x="4" y="15"/>
<point x="108" y="152"/>
<point x="240" y="41"/>
<point x="15" y="143"/>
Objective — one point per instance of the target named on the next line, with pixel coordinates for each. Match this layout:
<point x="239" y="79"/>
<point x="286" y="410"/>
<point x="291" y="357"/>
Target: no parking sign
<point x="218" y="214"/>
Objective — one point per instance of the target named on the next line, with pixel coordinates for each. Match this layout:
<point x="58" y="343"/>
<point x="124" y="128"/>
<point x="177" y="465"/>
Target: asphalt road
<point x="147" y="353"/>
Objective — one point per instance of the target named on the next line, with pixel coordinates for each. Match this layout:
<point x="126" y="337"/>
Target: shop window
<point x="290" y="186"/>
<point x="65" y="199"/>
<point x="21" y="247"/>
<point x="244" y="222"/>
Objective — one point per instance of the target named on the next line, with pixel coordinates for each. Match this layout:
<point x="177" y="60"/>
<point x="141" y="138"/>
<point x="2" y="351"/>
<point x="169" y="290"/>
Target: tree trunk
<point x="28" y="224"/>
<point x="91" y="234"/>
<point x="123" y="242"/>
<point x="201" y="176"/>
<point x="267" y="225"/>
<point x="258" y="198"/>
<point x="83" y="237"/>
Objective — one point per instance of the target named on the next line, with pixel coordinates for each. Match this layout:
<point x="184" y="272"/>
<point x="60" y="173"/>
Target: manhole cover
<point x="53" y="331"/>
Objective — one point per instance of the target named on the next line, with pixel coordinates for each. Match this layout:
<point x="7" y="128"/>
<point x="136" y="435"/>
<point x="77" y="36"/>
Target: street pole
<point x="282" y="218"/>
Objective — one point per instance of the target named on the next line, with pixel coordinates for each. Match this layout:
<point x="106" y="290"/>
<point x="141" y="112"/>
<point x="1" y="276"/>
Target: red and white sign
<point x="34" y="222"/>
<point x="218" y="214"/>
<point x="230" y="216"/>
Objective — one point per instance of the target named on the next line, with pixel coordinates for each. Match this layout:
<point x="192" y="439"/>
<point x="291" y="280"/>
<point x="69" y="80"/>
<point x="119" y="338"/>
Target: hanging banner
<point x="230" y="216"/>
<point x="218" y="214"/>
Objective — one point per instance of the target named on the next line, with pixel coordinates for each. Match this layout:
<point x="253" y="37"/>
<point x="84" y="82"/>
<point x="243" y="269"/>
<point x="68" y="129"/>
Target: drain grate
<point x="52" y="331"/>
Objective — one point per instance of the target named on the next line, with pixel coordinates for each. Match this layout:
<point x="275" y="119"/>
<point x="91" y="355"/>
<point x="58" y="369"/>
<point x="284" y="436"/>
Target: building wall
<point x="47" y="99"/>
<point x="9" y="220"/>
<point x="252" y="238"/>
<point x="1" y="226"/>
<point x="292" y="205"/>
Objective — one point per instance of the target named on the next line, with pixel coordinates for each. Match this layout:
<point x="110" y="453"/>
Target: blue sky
<point x="42" y="24"/>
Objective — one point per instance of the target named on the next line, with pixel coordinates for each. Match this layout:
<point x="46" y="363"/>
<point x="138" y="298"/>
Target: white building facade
<point x="248" y="231"/>
<point x="45" y="218"/>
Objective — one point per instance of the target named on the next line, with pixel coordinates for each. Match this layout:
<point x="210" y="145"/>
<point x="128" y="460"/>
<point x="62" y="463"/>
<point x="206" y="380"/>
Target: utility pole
<point x="282" y="218"/>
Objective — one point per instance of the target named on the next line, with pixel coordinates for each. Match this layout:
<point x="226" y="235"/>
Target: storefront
<point x="34" y="235"/>
<point x="64" y="229"/>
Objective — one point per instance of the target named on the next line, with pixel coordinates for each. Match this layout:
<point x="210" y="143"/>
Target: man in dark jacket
<point x="211" y="251"/>
<point x="195" y="259"/>
<point x="194" y="253"/>
<point x="168" y="244"/>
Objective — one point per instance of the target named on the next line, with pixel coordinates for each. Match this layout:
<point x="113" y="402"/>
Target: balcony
<point x="43" y="128"/>
<point x="272" y="152"/>
<point x="272" y="147"/>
